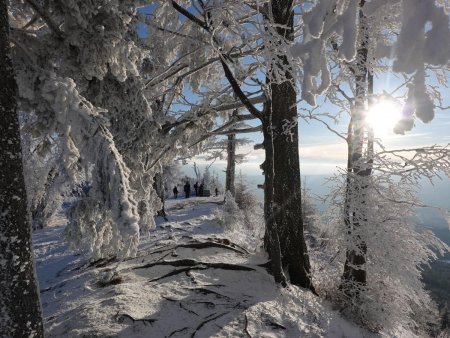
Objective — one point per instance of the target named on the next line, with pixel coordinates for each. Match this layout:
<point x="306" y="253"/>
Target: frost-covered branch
<point x="238" y="131"/>
<point x="46" y="17"/>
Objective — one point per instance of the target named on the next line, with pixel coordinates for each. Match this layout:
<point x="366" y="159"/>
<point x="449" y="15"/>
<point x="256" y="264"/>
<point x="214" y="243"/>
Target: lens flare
<point x="383" y="116"/>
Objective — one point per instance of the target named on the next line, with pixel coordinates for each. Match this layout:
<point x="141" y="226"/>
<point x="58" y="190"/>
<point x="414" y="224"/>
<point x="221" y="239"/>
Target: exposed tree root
<point x="246" y="326"/>
<point x="122" y="318"/>
<point x="102" y="262"/>
<point x="210" y="292"/>
<point x="190" y="265"/>
<point x="195" y="263"/>
<point x="222" y="244"/>
<point x="227" y="242"/>
<point x="276" y="325"/>
<point x="209" y="305"/>
<point x="188" y="310"/>
<point x="180" y="303"/>
<point x="180" y="330"/>
<point x="206" y="322"/>
<point x="51" y="288"/>
<point x="162" y="257"/>
<point x="99" y="263"/>
<point x="175" y="272"/>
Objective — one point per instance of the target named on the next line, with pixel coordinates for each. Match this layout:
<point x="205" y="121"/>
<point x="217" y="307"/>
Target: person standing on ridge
<point x="187" y="189"/>
<point x="196" y="189"/>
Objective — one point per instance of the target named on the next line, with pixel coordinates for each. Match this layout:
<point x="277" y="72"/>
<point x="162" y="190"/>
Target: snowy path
<point x="188" y="280"/>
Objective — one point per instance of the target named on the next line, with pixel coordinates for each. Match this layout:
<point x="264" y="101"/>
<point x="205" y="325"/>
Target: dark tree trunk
<point x="358" y="170"/>
<point x="286" y="163"/>
<point x="231" y="163"/>
<point x="20" y="314"/>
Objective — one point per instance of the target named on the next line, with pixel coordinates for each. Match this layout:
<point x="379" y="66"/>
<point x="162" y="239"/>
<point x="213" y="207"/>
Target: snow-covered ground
<point x="188" y="280"/>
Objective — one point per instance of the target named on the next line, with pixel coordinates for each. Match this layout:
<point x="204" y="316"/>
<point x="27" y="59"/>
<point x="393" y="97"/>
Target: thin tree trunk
<point x="355" y="214"/>
<point x="286" y="162"/>
<point x="231" y="163"/>
<point x="20" y="313"/>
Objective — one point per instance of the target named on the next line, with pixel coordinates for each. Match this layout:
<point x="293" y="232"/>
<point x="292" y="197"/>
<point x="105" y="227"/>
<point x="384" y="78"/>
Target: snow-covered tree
<point x="216" y="183"/>
<point x="230" y="215"/>
<point x="60" y="52"/>
<point x="207" y="178"/>
<point x="81" y="69"/>
<point x="376" y="199"/>
<point x="309" y="209"/>
<point x="397" y="247"/>
<point x="242" y="216"/>
<point x="245" y="199"/>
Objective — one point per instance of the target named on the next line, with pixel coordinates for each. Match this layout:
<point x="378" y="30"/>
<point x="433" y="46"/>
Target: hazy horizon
<point x="437" y="195"/>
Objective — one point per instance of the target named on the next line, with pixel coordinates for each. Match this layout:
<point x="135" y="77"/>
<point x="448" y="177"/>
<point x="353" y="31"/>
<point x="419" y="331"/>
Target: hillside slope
<point x="188" y="280"/>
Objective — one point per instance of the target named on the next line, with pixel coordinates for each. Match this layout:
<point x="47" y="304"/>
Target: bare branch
<point x="46" y="17"/>
<point x="221" y="130"/>
<point x="314" y="117"/>
<point x="153" y="82"/>
<point x="239" y="131"/>
<point x="239" y="93"/>
<point x="190" y="16"/>
<point x="239" y="104"/>
<point x="344" y="94"/>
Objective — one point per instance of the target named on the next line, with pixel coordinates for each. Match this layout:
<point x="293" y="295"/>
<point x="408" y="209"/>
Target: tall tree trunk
<point x="286" y="163"/>
<point x="231" y="162"/>
<point x="20" y="314"/>
<point x="358" y="170"/>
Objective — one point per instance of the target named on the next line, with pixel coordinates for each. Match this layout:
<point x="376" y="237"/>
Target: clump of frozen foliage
<point x="79" y="69"/>
<point x="397" y="250"/>
<point x="44" y="177"/>
<point x="229" y="215"/>
<point x="242" y="216"/>
<point x="414" y="34"/>
<point x="251" y="206"/>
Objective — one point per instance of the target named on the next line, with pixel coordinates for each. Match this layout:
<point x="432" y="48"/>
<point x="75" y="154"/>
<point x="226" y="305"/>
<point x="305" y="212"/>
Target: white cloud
<point x="332" y="152"/>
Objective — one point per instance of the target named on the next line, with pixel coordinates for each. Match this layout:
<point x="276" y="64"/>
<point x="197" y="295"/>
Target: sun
<point x="383" y="116"/>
